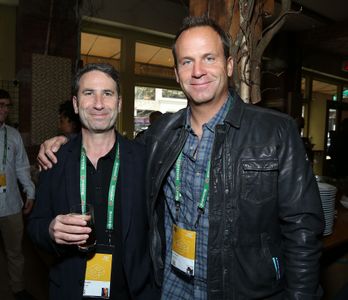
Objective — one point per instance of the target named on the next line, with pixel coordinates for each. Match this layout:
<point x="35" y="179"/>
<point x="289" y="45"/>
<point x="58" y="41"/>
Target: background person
<point x="154" y="116"/>
<point x="14" y="165"/>
<point x="152" y="119"/>
<point x="339" y="150"/>
<point x="69" y="121"/>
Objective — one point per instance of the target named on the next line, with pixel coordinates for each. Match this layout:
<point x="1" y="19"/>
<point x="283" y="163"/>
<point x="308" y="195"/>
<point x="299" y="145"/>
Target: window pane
<point x="152" y="60"/>
<point x="331" y="125"/>
<point x="149" y="99"/>
<point x="173" y="94"/>
<point x="324" y="89"/>
<point x="303" y="88"/>
<point x="144" y="93"/>
<point x="345" y="94"/>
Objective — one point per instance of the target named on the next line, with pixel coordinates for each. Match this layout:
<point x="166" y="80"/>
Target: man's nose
<point x="99" y="101"/>
<point x="198" y="69"/>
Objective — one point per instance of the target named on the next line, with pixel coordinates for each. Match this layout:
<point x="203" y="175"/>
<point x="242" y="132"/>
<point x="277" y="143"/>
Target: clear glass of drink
<point x="88" y="215"/>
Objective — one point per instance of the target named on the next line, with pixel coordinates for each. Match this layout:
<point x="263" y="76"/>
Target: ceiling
<point x="109" y="47"/>
<point x="102" y="46"/>
<point x="317" y="13"/>
<point x="323" y="24"/>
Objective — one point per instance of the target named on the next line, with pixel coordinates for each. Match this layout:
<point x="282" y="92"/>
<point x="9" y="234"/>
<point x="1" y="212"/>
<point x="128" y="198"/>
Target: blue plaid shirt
<point x="196" y="154"/>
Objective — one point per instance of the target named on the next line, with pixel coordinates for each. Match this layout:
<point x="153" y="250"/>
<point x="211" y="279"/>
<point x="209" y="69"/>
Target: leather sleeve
<point x="301" y="218"/>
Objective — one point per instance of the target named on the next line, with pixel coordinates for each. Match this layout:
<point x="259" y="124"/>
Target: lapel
<point x="72" y="171"/>
<point x="124" y="190"/>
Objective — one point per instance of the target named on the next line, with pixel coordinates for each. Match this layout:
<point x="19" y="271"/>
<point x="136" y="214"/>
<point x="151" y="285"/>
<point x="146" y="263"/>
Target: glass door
<point x="337" y="113"/>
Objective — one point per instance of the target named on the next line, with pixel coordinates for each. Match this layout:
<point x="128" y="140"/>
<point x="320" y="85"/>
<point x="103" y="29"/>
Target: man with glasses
<point x="14" y="165"/>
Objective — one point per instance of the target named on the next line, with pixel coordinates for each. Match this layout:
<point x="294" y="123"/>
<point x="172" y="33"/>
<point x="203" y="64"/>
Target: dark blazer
<point x="59" y="188"/>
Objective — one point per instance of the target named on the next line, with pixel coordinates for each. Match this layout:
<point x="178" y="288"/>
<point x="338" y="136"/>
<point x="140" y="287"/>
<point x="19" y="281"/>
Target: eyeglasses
<point x="5" y="105"/>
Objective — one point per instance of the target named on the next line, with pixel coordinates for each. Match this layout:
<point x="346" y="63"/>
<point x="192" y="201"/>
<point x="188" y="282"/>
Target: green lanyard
<point x="112" y="187"/>
<point x="178" y="197"/>
<point x="205" y="192"/>
<point x="4" y="158"/>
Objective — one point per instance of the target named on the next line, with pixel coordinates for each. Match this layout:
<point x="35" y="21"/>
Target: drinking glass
<point x="88" y="216"/>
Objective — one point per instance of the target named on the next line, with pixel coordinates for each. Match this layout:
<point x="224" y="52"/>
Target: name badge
<point x="98" y="276"/>
<point x="2" y="183"/>
<point x="184" y="250"/>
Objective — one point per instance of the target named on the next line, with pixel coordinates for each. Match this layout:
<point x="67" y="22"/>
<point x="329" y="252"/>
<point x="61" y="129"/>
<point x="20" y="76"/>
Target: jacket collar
<point x="75" y="147"/>
<point x="177" y="120"/>
<point x="233" y="117"/>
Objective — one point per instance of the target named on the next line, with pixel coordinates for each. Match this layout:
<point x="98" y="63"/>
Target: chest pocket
<point x="259" y="180"/>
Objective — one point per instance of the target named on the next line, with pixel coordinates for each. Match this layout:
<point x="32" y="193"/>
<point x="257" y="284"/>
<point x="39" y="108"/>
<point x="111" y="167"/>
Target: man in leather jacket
<point x="263" y="217"/>
<point x="233" y="206"/>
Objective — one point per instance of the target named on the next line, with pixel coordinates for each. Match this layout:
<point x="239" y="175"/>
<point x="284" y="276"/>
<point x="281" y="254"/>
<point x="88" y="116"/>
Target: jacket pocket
<point x="273" y="257"/>
<point x="256" y="275"/>
<point x="259" y="179"/>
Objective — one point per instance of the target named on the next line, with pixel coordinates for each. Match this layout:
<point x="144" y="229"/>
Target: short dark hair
<point x="4" y="94"/>
<point x="201" y="21"/>
<point x="66" y="109"/>
<point x="102" y="67"/>
<point x="153" y="116"/>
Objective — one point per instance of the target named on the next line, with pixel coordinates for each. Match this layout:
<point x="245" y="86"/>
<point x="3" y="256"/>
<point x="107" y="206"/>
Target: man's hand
<point x="28" y="206"/>
<point x="48" y="148"/>
<point x="69" y="230"/>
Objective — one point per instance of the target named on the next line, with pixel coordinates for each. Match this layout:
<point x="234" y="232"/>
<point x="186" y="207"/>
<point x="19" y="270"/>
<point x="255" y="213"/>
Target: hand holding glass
<point x="88" y="215"/>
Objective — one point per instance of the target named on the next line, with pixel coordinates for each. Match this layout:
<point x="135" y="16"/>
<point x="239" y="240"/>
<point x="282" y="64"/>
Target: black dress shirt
<point x="98" y="181"/>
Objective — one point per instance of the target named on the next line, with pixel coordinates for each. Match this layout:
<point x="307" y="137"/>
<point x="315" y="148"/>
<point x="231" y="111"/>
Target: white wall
<point x="318" y="120"/>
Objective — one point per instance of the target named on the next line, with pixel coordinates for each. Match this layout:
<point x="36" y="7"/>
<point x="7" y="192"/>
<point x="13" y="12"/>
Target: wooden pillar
<point x="39" y="32"/>
<point x="198" y="7"/>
